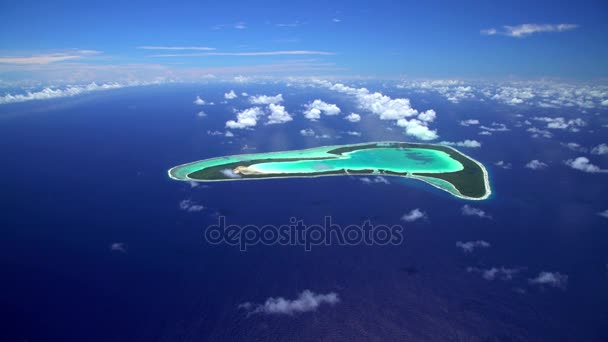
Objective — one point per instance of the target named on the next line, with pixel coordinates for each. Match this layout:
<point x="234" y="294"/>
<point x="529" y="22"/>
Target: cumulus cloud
<point x="493" y="273"/>
<point x="428" y="116"/>
<point x="229" y="134"/>
<point x="561" y="123"/>
<point x="453" y="90"/>
<point x="511" y="95"/>
<point x="583" y="164"/>
<point x="503" y="164"/>
<point x="278" y="114"/>
<point x="199" y="101"/>
<point x="248" y="148"/>
<point x="51" y="93"/>
<point x="354" y="133"/>
<point x="414" y="215"/>
<point x="495" y="127"/>
<point x="265" y="99"/>
<point x="469" y="246"/>
<point x="118" y="247"/>
<point x="249" y="117"/>
<point x="201" y="114"/>
<point x="307" y="132"/>
<point x="554" y="279"/>
<point x="467" y="210"/>
<point x="314" y="109"/>
<point x="245" y="119"/>
<point x="600" y="149"/>
<point x="524" y="30"/>
<point x="417" y="129"/>
<point x="305" y="302"/>
<point x="353" y="117"/>
<point x="535" y="165"/>
<point x="459" y="93"/>
<point x="400" y="110"/>
<point x="543" y="94"/>
<point x="230" y="95"/>
<point x="465" y="143"/>
<point x="469" y="122"/>
<point x="377" y="179"/>
<point x="230" y="173"/>
<point x="241" y="79"/>
<point x="604" y="213"/>
<point x="193" y="184"/>
<point x="539" y="133"/>
<point x="190" y="206"/>
<point x="489" y="32"/>
<point x="574" y="147"/>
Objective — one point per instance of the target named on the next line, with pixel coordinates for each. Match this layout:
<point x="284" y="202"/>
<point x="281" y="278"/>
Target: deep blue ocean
<point x="79" y="174"/>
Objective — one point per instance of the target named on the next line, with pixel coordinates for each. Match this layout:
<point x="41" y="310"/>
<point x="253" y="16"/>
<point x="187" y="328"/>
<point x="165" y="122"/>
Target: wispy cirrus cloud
<point x="48" y="58"/>
<point x="176" y="48"/>
<point x="291" y="24"/>
<point x="524" y="30"/>
<point x="249" y="54"/>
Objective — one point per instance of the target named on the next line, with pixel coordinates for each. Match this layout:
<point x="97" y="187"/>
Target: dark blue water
<point x="82" y="173"/>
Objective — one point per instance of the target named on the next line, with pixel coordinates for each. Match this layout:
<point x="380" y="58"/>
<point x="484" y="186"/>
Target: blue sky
<point x="384" y="39"/>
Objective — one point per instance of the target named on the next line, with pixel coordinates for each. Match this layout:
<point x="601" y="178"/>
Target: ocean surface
<point x="80" y="174"/>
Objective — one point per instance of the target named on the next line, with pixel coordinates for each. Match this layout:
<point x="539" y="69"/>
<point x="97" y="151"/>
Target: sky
<point x="67" y="42"/>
